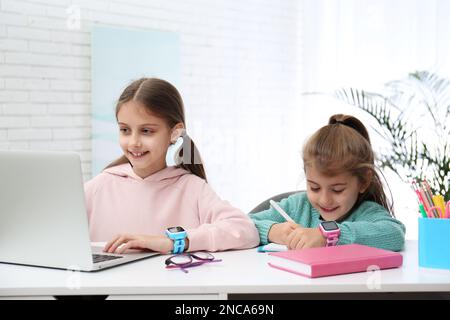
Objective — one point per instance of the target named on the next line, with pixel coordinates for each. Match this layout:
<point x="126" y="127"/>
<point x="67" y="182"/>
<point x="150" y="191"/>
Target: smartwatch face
<point x="175" y="229"/>
<point x="330" y="225"/>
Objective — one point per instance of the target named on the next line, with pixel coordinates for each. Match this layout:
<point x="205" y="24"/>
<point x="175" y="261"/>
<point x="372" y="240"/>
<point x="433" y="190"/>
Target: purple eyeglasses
<point x="186" y="260"/>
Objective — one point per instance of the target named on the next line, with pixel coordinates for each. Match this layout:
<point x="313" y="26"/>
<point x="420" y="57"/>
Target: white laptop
<point x="43" y="218"/>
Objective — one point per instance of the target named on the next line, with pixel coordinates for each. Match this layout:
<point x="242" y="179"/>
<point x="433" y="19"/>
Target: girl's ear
<point x="367" y="182"/>
<point x="177" y="131"/>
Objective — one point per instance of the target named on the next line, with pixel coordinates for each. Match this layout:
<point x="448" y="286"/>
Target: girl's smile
<point x="137" y="154"/>
<point x="328" y="210"/>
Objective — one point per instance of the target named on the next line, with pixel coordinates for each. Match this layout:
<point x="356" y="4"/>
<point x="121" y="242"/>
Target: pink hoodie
<point x="119" y="201"/>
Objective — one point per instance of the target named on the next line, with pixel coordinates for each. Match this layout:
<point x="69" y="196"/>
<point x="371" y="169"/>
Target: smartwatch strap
<point x="178" y="245"/>
<point x="332" y="239"/>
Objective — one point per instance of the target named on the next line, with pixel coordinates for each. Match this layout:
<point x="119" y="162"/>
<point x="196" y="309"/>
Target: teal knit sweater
<point x="370" y="224"/>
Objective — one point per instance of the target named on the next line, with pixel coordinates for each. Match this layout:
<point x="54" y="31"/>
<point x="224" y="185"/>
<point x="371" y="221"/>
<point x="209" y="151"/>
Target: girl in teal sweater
<point x="343" y="187"/>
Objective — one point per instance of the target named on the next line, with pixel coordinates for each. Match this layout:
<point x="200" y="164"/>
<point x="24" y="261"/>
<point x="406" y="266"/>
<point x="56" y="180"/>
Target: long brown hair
<point x="344" y="146"/>
<point x="163" y="99"/>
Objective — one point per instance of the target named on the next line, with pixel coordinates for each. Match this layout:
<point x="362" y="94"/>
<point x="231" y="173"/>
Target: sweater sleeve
<point x="264" y="220"/>
<point x="89" y="191"/>
<point x="222" y="226"/>
<point x="374" y="227"/>
<point x="91" y="187"/>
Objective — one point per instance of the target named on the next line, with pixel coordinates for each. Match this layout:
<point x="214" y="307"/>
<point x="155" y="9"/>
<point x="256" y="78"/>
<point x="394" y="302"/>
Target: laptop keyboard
<point x="104" y="257"/>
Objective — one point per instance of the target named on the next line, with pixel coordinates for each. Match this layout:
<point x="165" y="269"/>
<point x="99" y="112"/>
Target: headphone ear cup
<point x="173" y="153"/>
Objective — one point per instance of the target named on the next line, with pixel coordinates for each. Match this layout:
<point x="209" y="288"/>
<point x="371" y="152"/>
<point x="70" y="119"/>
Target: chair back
<point x="266" y="205"/>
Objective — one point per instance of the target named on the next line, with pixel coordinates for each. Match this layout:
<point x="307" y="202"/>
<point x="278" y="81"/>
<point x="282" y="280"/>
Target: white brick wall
<point x="239" y="61"/>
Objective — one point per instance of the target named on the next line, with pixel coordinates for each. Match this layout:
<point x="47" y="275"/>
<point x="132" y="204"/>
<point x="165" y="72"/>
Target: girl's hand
<point x="279" y="232"/>
<point x="128" y="241"/>
<point x="302" y="238"/>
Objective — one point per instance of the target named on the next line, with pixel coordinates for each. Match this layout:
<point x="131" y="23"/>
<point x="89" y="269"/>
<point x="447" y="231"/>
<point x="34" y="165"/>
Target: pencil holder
<point x="434" y="246"/>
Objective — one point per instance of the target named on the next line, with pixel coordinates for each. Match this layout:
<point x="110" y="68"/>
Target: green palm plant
<point x="413" y="116"/>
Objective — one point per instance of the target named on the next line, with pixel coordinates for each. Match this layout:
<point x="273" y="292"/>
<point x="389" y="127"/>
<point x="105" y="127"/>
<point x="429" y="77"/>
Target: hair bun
<point x="351" y="122"/>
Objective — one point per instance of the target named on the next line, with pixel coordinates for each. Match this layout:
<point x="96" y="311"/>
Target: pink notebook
<point x="328" y="261"/>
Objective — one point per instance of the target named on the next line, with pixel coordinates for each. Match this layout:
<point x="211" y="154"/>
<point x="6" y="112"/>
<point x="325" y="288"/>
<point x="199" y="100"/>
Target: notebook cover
<point x="328" y="261"/>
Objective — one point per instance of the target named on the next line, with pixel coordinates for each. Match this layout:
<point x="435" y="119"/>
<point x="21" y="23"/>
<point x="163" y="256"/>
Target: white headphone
<point x="173" y="152"/>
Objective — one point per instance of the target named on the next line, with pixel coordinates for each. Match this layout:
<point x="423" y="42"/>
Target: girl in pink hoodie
<point x="138" y="196"/>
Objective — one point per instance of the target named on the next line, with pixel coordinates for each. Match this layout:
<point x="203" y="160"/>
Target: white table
<point x="240" y="272"/>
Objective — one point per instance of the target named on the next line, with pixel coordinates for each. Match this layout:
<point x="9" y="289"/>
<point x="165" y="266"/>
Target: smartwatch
<point x="331" y="231"/>
<point x="177" y="234"/>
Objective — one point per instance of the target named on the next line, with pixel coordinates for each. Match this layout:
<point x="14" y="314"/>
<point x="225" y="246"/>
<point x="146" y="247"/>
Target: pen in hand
<point x="281" y="211"/>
